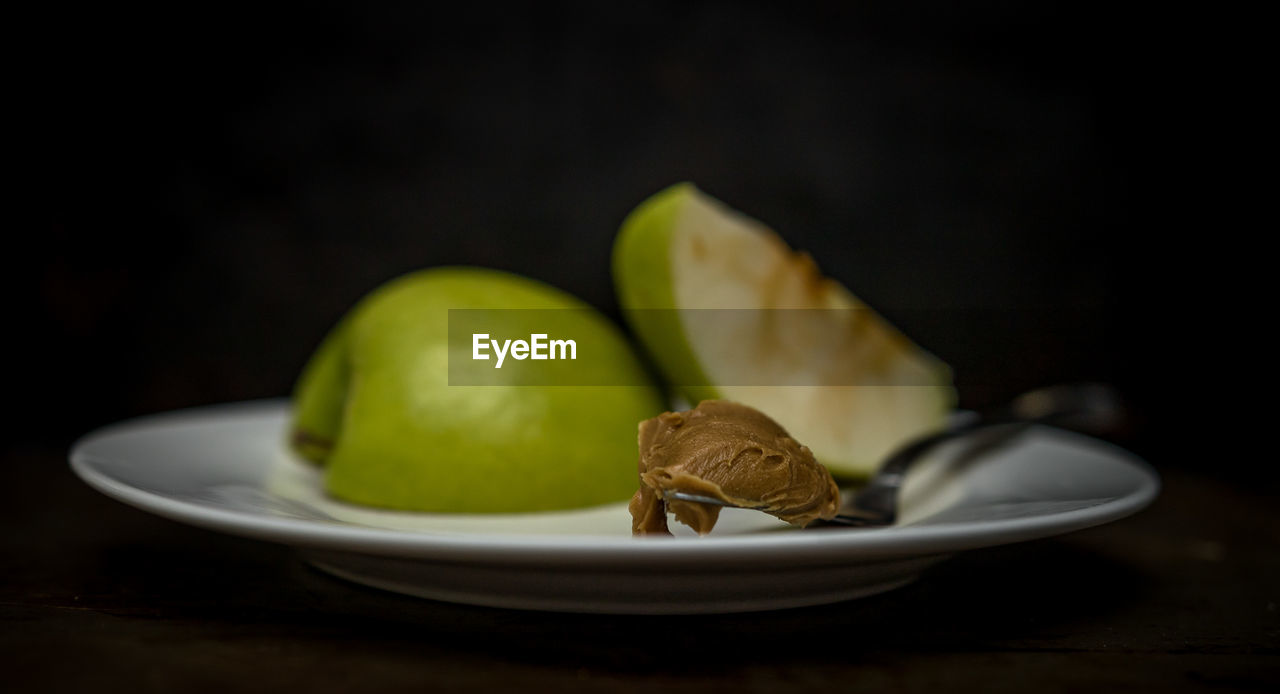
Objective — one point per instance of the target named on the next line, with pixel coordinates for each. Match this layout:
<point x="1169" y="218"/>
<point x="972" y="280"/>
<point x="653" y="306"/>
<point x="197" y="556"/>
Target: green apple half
<point x="376" y="408"/>
<point x="682" y="249"/>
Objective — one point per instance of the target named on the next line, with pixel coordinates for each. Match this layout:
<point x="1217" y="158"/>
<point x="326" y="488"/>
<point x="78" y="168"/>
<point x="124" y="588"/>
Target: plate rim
<point x="815" y="547"/>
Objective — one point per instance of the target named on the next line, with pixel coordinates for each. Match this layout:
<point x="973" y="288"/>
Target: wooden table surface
<point x="1184" y="595"/>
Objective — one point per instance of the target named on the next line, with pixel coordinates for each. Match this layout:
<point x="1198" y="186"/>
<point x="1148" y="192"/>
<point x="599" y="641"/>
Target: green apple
<point x="835" y="374"/>
<point x="376" y="407"/>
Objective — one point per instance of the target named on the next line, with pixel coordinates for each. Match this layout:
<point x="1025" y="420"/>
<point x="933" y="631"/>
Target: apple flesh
<point x="374" y="405"/>
<point x="860" y="389"/>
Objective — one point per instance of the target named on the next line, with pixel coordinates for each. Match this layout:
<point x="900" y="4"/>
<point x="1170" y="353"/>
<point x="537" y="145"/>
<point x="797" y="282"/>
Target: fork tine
<point x="851" y="519"/>
<point x="672" y="495"/>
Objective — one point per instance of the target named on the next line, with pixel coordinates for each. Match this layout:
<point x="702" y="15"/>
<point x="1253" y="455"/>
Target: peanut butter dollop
<point x="730" y="452"/>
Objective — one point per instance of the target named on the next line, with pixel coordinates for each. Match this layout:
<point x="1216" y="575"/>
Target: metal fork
<point x="1088" y="407"/>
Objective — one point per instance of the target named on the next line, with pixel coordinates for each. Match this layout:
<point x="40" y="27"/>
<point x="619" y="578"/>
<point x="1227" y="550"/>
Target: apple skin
<point x="643" y="281"/>
<point x="375" y="407"/>
<point x="862" y="422"/>
<point x="319" y="396"/>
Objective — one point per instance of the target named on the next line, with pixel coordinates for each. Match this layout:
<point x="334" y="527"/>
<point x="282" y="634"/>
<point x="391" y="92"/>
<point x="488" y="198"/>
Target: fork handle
<point x="1089" y="407"/>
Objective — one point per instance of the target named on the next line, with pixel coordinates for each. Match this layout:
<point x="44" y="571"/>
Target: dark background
<point x="219" y="185"/>
<point x="1037" y="192"/>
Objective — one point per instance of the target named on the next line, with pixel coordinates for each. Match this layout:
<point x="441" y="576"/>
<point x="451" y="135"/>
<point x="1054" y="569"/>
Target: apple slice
<point x="705" y="288"/>
<point x="379" y="405"/>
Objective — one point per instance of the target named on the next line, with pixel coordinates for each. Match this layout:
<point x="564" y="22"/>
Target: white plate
<point x="226" y="468"/>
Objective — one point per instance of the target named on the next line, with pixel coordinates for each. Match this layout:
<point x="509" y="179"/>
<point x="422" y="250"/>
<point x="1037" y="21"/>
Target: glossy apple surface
<point x="376" y="408"/>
